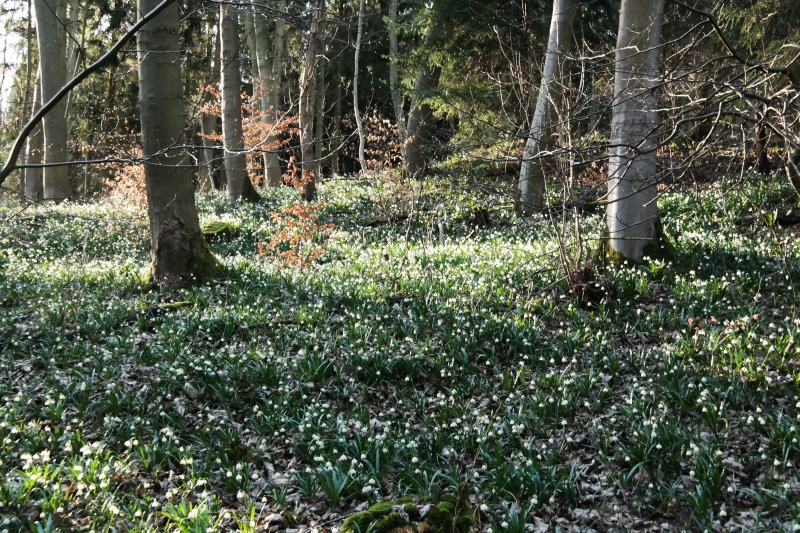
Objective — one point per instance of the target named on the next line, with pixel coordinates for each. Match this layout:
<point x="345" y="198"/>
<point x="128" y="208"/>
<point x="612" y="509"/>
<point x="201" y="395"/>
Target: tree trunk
<point x="336" y="119"/>
<point x="634" y="229"/>
<point x="74" y="47"/>
<point x="279" y="50"/>
<point x="307" y="99"/>
<point x="34" y="188"/>
<point x="179" y="252"/>
<point x="532" y="174"/>
<point x="239" y="186"/>
<point x="420" y="119"/>
<point x="319" y="119"/>
<point x="272" y="165"/>
<point x="356" y="111"/>
<point x="394" y="77"/>
<point x="208" y="122"/>
<point x="27" y="99"/>
<point x="50" y="15"/>
<point x="762" y="164"/>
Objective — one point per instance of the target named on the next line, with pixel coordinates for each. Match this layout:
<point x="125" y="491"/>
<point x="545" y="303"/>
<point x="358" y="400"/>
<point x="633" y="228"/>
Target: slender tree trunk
<point x="532" y="173"/>
<point x="634" y="228"/>
<point x="356" y="111"/>
<point x="307" y="99"/>
<point x="34" y="186"/>
<point x="74" y="45"/>
<point x="252" y="45"/>
<point x="52" y="36"/>
<point x="27" y="100"/>
<point x="319" y="119"/>
<point x="239" y="186"/>
<point x="279" y="51"/>
<point x="272" y="165"/>
<point x="179" y="252"/>
<point x="208" y="122"/>
<point x="336" y="120"/>
<point x="394" y="77"/>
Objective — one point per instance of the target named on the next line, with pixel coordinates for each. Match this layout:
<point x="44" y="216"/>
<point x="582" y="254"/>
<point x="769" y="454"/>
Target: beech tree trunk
<point x="239" y="186"/>
<point x="634" y="229"/>
<point x="266" y="75"/>
<point x="208" y="122"/>
<point x="74" y="48"/>
<point x="34" y="186"/>
<point x="179" y="252"/>
<point x="532" y="173"/>
<point x="356" y="111"/>
<point x="308" y="86"/>
<point x="52" y="40"/>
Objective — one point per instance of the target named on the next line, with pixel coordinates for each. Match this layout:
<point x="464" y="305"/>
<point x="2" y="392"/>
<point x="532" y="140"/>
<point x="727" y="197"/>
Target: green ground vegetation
<point x="419" y="356"/>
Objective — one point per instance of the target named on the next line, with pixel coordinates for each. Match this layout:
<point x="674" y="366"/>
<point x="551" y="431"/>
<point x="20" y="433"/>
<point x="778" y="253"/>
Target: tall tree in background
<point x="632" y="212"/>
<point x="532" y="173"/>
<point x="179" y="252"/>
<point x="420" y="114"/>
<point x="52" y="39"/>
<point x="265" y="49"/>
<point x="394" y="75"/>
<point x="356" y="110"/>
<point x="308" y="85"/>
<point x="34" y="150"/>
<point x="239" y="186"/>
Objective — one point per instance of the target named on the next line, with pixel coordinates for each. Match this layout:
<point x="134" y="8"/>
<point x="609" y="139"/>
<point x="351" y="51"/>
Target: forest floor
<point x="434" y="351"/>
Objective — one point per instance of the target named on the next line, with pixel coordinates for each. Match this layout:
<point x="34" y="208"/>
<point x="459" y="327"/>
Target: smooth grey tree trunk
<point x="632" y="213"/>
<point x="27" y="100"/>
<point x="52" y="39"/>
<point x="179" y="252"/>
<point x="356" y="110"/>
<point x="308" y="86"/>
<point x="239" y="186"/>
<point x="266" y="76"/>
<point x="532" y="172"/>
<point x="34" y="186"/>
<point x="74" y="47"/>
<point x="279" y="51"/>
<point x="208" y="122"/>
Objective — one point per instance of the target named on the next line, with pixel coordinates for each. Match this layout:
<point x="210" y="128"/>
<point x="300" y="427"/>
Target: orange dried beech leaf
<point x="298" y="242"/>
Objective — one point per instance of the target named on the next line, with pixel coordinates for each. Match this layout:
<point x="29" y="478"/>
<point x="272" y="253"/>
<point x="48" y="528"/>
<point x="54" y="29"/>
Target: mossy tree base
<point x="413" y="515"/>
<point x="660" y="248"/>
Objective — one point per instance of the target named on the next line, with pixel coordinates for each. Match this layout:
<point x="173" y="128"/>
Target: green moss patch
<point x="418" y="515"/>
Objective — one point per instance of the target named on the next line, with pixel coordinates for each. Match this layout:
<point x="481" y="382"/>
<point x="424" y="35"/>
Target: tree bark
<point x="319" y="119"/>
<point x="532" y="174"/>
<point x="179" y="252"/>
<point x="356" y="111"/>
<point x="51" y="35"/>
<point x="634" y="229"/>
<point x="239" y="186"/>
<point x="74" y="47"/>
<point x="307" y="99"/>
<point x="27" y="100"/>
<point x="34" y="186"/>
<point x="208" y="122"/>
<point x="420" y="119"/>
<point x="266" y="75"/>
<point x="394" y="76"/>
